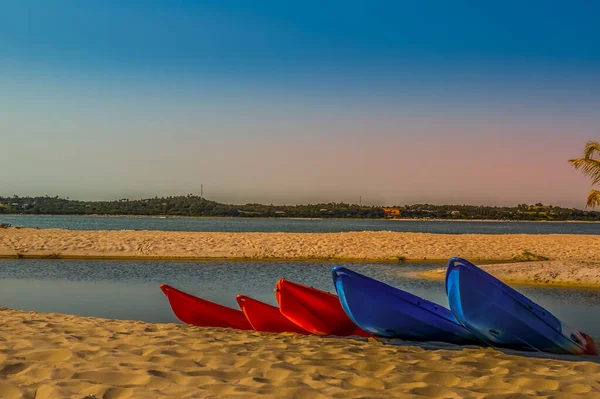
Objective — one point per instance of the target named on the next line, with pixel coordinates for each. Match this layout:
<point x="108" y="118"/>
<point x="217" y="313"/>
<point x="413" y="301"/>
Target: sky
<point x="394" y="102"/>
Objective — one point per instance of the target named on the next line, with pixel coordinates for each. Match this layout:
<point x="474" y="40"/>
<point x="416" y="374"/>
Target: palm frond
<point x="591" y="147"/>
<point x="593" y="199"/>
<point x="590" y="167"/>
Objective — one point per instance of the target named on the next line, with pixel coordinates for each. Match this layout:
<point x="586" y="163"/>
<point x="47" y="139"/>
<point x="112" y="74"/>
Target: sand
<point x="382" y="246"/>
<point x="48" y="356"/>
<point x="549" y="273"/>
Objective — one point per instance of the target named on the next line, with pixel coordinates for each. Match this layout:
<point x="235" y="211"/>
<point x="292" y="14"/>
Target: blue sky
<point x="299" y="101"/>
<point x="247" y="37"/>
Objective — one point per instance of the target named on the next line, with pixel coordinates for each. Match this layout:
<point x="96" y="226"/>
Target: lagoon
<point x="130" y="289"/>
<point x="271" y="225"/>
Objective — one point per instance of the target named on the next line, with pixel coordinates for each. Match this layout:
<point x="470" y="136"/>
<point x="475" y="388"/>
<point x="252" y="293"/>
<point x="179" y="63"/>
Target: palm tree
<point x="590" y="167"/>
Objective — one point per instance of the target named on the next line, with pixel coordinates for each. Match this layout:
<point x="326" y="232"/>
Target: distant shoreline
<point x="299" y="218"/>
<point x="198" y="206"/>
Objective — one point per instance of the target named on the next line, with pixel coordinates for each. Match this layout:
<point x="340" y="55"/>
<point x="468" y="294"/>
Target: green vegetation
<point x="53" y="255"/>
<point x="195" y="206"/>
<point x="590" y="166"/>
<point x="529" y="256"/>
<point x="180" y="206"/>
<point x="474" y="212"/>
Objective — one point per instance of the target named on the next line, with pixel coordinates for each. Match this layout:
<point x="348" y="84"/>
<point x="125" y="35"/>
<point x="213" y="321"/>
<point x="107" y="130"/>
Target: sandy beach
<point x="47" y="356"/>
<point x="376" y="246"/>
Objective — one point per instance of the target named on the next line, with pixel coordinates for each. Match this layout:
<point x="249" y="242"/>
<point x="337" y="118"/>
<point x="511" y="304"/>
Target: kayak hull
<point x="387" y="311"/>
<point x="200" y="312"/>
<point x="266" y="318"/>
<point x="315" y="311"/>
<point x="499" y="315"/>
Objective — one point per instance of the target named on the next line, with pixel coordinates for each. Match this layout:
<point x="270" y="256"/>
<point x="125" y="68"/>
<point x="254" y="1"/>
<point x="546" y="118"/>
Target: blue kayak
<point x="499" y="315"/>
<point x="386" y="311"/>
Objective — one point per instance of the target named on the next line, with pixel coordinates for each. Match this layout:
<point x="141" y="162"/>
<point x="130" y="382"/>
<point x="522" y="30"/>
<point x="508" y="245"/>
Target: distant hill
<point x="191" y="205"/>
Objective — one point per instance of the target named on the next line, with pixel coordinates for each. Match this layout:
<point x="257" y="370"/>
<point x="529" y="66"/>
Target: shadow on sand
<point x="513" y="352"/>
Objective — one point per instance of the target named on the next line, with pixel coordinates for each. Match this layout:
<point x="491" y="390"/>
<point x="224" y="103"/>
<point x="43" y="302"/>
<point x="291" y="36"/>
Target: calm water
<point x="130" y="289"/>
<point x="296" y="225"/>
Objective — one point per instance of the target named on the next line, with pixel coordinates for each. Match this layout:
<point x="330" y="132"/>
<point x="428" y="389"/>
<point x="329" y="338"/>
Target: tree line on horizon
<point x="191" y="205"/>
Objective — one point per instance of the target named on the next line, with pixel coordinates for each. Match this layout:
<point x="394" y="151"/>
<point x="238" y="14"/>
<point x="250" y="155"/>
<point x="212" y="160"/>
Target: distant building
<point x="391" y="213"/>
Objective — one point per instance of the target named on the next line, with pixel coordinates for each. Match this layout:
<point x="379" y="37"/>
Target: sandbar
<point x="374" y="246"/>
<point x="558" y="273"/>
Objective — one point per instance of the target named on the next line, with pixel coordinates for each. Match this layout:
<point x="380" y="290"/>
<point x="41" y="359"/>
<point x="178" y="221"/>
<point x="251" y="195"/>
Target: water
<point x="297" y="225"/>
<point x="130" y="289"/>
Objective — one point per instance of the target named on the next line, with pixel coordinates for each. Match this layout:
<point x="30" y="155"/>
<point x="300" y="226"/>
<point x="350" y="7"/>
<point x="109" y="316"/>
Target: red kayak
<point x="266" y="318"/>
<point x="203" y="313"/>
<point x="316" y="311"/>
